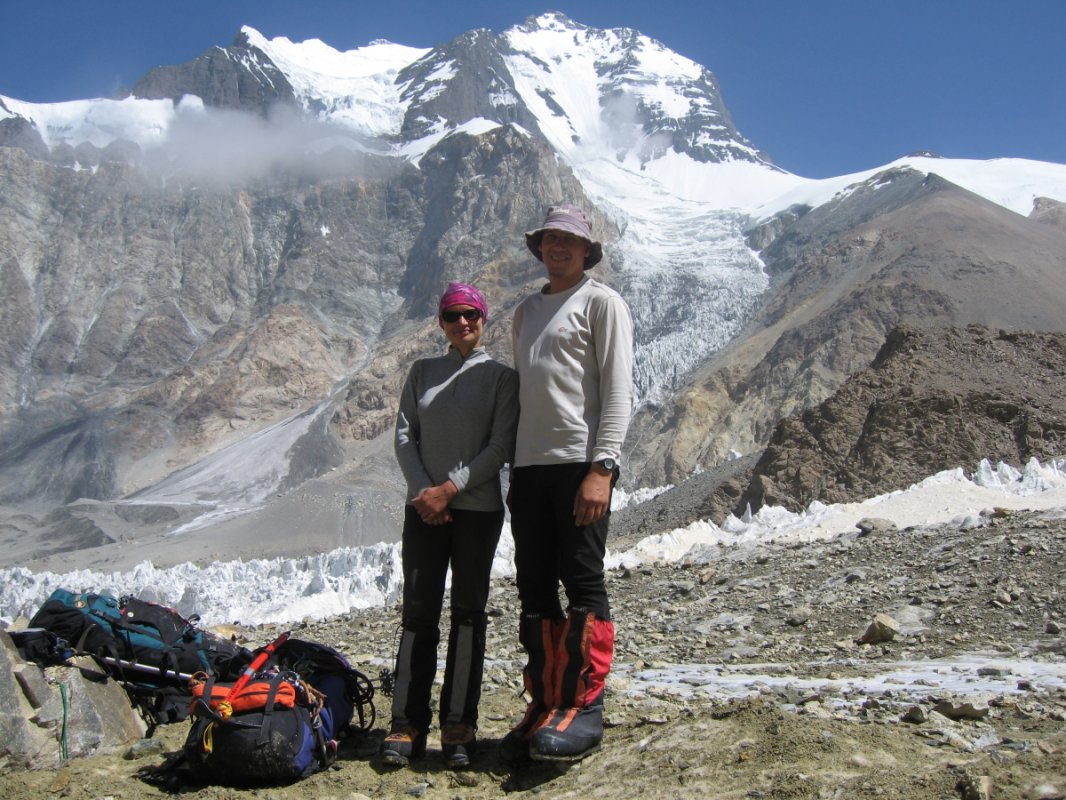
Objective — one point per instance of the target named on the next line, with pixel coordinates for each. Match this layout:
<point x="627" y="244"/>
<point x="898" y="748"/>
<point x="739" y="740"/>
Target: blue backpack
<point x="349" y="693"/>
<point x="149" y="648"/>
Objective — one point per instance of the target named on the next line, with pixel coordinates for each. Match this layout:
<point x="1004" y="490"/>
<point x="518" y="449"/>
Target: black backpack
<point x="278" y="722"/>
<point x="269" y="731"/>
<point x="151" y="649"/>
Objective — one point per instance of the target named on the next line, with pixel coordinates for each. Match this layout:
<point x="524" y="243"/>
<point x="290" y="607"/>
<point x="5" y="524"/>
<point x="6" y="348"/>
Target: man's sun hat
<point x="572" y="220"/>
<point x="463" y="294"/>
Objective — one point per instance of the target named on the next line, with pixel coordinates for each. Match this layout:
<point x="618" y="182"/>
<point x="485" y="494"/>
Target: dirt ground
<point x="744" y="749"/>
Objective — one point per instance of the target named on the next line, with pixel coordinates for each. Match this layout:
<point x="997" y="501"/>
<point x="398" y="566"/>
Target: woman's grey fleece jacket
<point x="457" y="420"/>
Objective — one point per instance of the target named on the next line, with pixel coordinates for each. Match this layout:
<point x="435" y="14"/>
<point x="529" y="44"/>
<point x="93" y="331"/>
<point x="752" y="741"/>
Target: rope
<point x="63" y="751"/>
<point x="225" y="710"/>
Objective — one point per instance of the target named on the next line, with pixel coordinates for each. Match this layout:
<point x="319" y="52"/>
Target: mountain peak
<point x="622" y="94"/>
<point x="241" y="76"/>
<point x="551" y="21"/>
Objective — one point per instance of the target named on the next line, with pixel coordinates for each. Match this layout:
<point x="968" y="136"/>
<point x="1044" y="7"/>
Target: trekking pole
<point x="182" y="677"/>
<point x="224" y="708"/>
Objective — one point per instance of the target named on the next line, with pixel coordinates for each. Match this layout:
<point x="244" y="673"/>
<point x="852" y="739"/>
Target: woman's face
<point x="463" y="325"/>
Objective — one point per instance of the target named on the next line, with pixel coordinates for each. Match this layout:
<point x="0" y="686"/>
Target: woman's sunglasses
<point x="470" y="315"/>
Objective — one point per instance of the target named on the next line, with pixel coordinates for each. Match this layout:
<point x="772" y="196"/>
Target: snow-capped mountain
<point x="644" y="129"/>
<point x="221" y="249"/>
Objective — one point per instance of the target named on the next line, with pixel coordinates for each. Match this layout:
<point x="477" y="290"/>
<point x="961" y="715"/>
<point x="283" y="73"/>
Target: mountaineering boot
<point x="574" y="726"/>
<point x="462" y="687"/>
<point x="403" y="744"/>
<point x="416" y="667"/>
<point x="539" y="636"/>
<point x="569" y="734"/>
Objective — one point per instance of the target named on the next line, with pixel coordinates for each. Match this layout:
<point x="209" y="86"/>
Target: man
<point x="573" y="349"/>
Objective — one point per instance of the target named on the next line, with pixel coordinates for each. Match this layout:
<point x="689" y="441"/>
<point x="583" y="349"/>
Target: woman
<point x="454" y="432"/>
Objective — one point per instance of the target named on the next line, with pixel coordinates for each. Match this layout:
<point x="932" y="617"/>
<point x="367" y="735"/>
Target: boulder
<point x="883" y="629"/>
<point x="49" y="715"/>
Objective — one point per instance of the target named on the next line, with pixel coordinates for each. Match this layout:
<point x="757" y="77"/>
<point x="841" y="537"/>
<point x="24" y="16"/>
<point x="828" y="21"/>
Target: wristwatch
<point x="608" y="464"/>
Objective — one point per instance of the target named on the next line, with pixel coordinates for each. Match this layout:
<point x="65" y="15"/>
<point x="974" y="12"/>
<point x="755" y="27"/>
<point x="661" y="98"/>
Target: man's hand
<point x="593" y="499"/>
<point x="432" y="503"/>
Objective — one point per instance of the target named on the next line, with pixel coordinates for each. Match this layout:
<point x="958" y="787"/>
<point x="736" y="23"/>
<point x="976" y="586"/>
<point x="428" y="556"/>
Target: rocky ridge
<point x="899" y="249"/>
<point x="933" y="399"/>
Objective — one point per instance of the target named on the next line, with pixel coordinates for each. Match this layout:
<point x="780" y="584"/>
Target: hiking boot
<point x="458" y="742"/>
<point x="403" y="744"/>
<point x="569" y="735"/>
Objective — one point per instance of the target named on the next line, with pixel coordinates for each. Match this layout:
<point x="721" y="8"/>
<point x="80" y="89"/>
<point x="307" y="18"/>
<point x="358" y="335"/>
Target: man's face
<point x="564" y="255"/>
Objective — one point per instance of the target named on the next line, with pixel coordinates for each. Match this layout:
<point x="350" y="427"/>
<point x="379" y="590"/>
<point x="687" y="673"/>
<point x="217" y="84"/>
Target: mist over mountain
<point x="211" y="287"/>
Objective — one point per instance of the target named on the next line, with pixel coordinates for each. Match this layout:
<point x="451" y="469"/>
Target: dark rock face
<point x="1048" y="211"/>
<point x="479" y="84"/>
<point x="238" y="77"/>
<point x="932" y="400"/>
<point x="145" y="326"/>
<point x="56" y="452"/>
<point x="18" y="132"/>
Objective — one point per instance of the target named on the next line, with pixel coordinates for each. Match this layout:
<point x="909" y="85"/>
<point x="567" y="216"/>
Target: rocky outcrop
<point x="49" y="715"/>
<point x="932" y="400"/>
<point x="1051" y="212"/>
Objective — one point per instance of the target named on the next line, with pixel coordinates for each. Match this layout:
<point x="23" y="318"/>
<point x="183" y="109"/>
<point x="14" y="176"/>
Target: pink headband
<point x="460" y="294"/>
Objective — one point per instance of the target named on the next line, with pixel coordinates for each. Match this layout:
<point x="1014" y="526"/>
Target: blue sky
<point x="825" y="87"/>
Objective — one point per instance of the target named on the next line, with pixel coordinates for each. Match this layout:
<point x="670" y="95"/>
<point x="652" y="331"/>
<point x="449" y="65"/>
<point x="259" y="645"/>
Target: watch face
<point x="608" y="463"/>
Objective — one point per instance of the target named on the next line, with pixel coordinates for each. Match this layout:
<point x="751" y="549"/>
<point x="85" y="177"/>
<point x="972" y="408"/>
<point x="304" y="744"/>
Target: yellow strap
<point x="208" y="739"/>
<point x="225" y="710"/>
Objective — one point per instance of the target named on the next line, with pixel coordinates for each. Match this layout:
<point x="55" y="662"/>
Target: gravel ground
<point x="758" y="674"/>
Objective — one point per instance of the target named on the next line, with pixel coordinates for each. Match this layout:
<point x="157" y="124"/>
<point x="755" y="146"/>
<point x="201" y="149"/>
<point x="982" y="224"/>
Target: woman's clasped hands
<point x="432" y="503"/>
